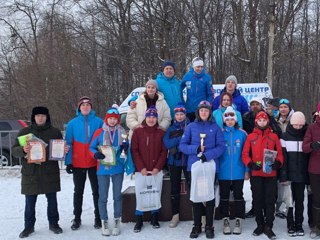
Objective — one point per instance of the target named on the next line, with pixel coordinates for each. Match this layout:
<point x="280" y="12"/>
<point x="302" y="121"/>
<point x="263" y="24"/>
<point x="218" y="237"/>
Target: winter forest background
<point x="54" y="51"/>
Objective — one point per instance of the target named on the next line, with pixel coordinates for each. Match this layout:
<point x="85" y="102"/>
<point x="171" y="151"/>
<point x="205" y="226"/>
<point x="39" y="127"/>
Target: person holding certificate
<point x="79" y="162"/>
<point x="106" y="147"/>
<point x="40" y="175"/>
<point x="263" y="172"/>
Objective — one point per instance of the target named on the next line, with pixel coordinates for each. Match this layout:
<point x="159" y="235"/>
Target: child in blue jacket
<point x="232" y="171"/>
<point x="111" y="166"/>
<point x="177" y="161"/>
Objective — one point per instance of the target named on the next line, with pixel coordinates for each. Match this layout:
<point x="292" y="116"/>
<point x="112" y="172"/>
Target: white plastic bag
<point x="202" y="181"/>
<point x="148" y="191"/>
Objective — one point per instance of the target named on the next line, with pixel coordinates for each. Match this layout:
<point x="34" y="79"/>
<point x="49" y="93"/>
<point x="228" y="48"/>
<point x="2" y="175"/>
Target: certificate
<point x="37" y="153"/>
<point x="57" y="149"/>
<point x="109" y="152"/>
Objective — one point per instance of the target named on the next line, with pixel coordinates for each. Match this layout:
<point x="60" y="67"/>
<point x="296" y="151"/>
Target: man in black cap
<point x="39" y="178"/>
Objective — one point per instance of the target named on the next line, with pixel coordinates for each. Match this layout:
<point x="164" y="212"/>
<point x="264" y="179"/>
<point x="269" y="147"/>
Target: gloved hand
<point x="99" y="155"/>
<point x="276" y="165"/>
<point x="315" y="145"/>
<point x="199" y="149"/>
<point x="254" y="166"/>
<point x="69" y="169"/>
<point x="176" y="133"/>
<point x="203" y="158"/>
<point x="124" y="147"/>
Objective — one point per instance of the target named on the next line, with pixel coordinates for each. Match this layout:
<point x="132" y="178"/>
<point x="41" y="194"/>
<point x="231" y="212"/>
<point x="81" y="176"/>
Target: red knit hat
<point x="112" y="112"/>
<point x="260" y="115"/>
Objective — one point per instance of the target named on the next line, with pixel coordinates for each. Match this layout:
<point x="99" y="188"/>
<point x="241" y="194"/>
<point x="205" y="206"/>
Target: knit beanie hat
<point x="298" y="118"/>
<point x="84" y="99"/>
<point x="112" y="112"/>
<point x="286" y="102"/>
<point x="263" y="115"/>
<point x="223" y="94"/>
<point x="40" y="110"/>
<point x="229" y="113"/>
<point x="151" y="111"/>
<point x="197" y="61"/>
<point x="152" y="82"/>
<point x="134" y="98"/>
<point x="169" y="63"/>
<point x="180" y="108"/>
<point x="233" y="79"/>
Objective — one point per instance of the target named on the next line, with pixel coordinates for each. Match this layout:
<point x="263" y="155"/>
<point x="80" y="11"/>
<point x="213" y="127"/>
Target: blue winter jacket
<point x="78" y="137"/>
<point x="171" y="89"/>
<point x="231" y="165"/>
<point x="175" y="156"/>
<point x="218" y="116"/>
<point x="237" y="99"/>
<point x="199" y="87"/>
<point x="213" y="142"/>
<point x="120" y="162"/>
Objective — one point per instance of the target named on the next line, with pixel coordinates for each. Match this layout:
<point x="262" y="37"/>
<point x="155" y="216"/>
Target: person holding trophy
<point x="203" y="142"/>
<point x="109" y="146"/>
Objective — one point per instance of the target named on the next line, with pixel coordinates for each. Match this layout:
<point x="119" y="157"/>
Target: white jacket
<point x="136" y="116"/>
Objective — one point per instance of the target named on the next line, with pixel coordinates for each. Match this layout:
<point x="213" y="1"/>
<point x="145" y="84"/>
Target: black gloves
<point x="203" y="158"/>
<point x="69" y="169"/>
<point x="276" y="165"/>
<point x="199" y="149"/>
<point x="99" y="155"/>
<point x="254" y="166"/>
<point x="176" y="133"/>
<point x="124" y="147"/>
<point x="315" y="145"/>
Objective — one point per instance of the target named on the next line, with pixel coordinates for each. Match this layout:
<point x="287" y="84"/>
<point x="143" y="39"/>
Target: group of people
<point x="266" y="142"/>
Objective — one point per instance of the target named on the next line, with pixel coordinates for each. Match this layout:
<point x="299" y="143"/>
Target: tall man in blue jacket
<point x="169" y="85"/>
<point x="198" y="86"/>
<point x="79" y="160"/>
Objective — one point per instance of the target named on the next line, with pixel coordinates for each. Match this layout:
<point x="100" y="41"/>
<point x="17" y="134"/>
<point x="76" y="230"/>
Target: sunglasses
<point x="181" y="109"/>
<point x="205" y="103"/>
<point x="229" y="114"/>
<point x="112" y="110"/>
<point x="283" y="100"/>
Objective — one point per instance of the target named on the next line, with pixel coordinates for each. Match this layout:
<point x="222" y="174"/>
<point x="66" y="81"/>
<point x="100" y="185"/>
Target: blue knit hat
<point x="169" y="63"/>
<point x="151" y="111"/>
<point x="180" y="108"/>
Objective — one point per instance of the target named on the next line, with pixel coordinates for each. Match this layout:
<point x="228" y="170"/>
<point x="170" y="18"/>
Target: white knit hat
<point x="229" y="113"/>
<point x="197" y="61"/>
<point x="298" y="118"/>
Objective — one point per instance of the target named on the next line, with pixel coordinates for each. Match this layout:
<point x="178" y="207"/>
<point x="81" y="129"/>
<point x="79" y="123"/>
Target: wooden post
<point x="272" y="6"/>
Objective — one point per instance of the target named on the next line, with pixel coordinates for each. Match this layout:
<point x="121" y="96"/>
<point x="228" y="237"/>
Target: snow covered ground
<point x="12" y="210"/>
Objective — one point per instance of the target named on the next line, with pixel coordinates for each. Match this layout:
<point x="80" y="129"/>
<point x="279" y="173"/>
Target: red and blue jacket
<point x="78" y="136"/>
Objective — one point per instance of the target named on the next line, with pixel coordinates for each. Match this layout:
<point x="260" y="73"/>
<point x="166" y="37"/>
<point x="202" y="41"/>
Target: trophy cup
<point x="124" y="137"/>
<point x="202" y="136"/>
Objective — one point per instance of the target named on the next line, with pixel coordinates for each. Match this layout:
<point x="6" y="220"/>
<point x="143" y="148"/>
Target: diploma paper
<point x="110" y="159"/>
<point x="57" y="149"/>
<point x="36" y="151"/>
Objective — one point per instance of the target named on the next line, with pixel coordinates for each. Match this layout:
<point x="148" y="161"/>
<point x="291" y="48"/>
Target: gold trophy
<point x="202" y="136"/>
<point x="124" y="137"/>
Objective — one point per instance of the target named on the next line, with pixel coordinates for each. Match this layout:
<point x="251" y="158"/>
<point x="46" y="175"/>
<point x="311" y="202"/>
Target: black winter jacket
<point x="295" y="168"/>
<point x="39" y="178"/>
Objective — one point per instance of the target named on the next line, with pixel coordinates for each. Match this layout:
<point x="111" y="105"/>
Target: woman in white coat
<point x="151" y="97"/>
